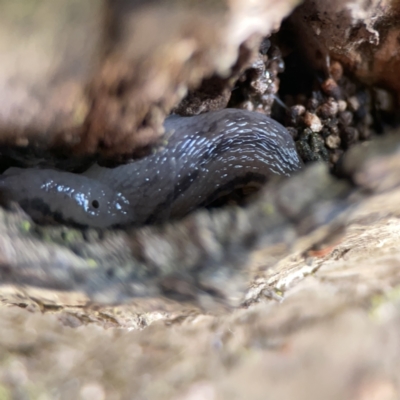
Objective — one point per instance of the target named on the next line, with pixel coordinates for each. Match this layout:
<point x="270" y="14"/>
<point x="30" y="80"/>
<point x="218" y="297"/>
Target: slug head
<point x="53" y="196"/>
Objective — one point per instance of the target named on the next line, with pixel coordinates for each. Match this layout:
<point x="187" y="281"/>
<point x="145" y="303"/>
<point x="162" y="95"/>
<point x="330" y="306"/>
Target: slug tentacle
<point x="205" y="155"/>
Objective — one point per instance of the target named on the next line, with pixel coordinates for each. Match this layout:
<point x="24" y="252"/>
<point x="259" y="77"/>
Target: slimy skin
<point x="204" y="156"/>
<point x="53" y="196"/>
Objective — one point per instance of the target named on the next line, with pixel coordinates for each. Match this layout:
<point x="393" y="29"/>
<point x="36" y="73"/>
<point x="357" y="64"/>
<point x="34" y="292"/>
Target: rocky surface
<point x="320" y="317"/>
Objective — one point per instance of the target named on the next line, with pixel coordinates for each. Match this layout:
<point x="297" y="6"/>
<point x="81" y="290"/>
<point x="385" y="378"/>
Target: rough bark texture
<point x="102" y="75"/>
<point x="48" y="51"/>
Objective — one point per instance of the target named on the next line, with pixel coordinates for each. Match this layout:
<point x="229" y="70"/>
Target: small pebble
<point x="331" y="88"/>
<point x="353" y="103"/>
<point x="295" y="113"/>
<point x="298" y="110"/>
<point x="346" y="118"/>
<point x="333" y="141"/>
<point x="313" y="122"/>
<point x="248" y="105"/>
<point x="342" y="105"/>
<point x="328" y="109"/>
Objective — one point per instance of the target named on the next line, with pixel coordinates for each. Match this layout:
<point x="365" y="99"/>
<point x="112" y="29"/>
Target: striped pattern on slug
<point x="203" y="156"/>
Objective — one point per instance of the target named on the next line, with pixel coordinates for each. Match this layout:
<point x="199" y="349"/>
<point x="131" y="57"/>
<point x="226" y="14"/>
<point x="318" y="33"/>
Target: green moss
<point x="268" y="208"/>
<point x="5" y="393"/>
<point x="26" y="226"/>
<point x="392" y="296"/>
<point x="92" y="263"/>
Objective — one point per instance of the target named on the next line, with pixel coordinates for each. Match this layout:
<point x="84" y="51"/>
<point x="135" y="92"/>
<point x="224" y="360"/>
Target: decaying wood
<point x="102" y="75"/>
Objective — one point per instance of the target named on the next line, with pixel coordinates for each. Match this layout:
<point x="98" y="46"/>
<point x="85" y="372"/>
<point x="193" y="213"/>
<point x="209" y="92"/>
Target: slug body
<point x="204" y="156"/>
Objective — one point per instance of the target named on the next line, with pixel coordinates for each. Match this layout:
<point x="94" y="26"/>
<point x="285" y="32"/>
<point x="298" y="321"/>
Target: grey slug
<point x="204" y="156"/>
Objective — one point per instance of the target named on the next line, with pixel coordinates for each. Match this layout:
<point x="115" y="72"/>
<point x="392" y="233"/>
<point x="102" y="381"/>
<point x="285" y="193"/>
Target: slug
<point x="203" y="157"/>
